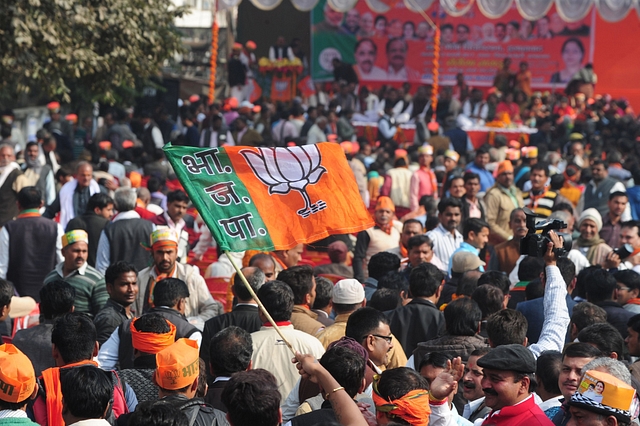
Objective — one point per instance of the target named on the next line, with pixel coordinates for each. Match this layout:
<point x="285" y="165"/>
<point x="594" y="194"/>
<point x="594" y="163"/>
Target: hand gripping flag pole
<point x="260" y="305"/>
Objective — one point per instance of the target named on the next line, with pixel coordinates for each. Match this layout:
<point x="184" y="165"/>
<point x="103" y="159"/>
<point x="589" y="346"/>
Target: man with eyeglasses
<point x="370" y="328"/>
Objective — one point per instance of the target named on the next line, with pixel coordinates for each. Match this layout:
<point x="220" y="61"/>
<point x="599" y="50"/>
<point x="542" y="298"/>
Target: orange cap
<point x="194" y="98"/>
<point x="232" y="102"/>
<point x="385" y="203"/>
<point x="72" y="118"/>
<point x="104" y="145"/>
<point x="178" y="365"/>
<point x="136" y="179"/>
<point x="152" y="343"/>
<point x="257" y="108"/>
<point x="53" y="106"/>
<point x="237" y="46"/>
<point x="503" y="167"/>
<point x="17" y="377"/>
<point x="514" y="144"/>
<point x="251" y="45"/>
<point x="127" y="144"/>
<point x="400" y="153"/>
<point x="433" y="126"/>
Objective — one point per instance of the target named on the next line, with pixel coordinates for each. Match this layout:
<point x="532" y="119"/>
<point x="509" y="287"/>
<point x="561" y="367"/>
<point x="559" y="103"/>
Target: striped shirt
<point x="444" y="243"/>
<point x="541" y="203"/>
<point x="91" y="291"/>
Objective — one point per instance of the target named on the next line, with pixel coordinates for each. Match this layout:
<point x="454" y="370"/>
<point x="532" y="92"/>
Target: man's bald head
<point x="266" y="264"/>
<point x="84" y="174"/>
<point x="255" y="278"/>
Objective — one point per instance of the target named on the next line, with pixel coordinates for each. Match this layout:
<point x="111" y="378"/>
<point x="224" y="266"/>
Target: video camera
<point x="535" y="242"/>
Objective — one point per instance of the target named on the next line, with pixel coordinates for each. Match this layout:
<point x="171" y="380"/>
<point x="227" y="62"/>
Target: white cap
<point x="347" y="292"/>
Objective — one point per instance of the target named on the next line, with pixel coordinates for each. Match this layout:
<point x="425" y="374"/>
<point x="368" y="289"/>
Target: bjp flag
<point x="255" y="91"/>
<point x="271" y="198"/>
<point x="281" y="88"/>
<point x="306" y="87"/>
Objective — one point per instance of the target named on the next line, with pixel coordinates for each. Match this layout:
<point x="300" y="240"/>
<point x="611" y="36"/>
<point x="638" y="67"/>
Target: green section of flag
<point x="326" y="44"/>
<point x="223" y="201"/>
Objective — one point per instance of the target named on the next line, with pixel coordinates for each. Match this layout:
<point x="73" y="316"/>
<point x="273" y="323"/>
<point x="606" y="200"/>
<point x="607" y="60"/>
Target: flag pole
<point x="260" y="305"/>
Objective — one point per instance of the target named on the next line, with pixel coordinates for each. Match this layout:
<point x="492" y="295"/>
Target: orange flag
<point x="271" y="198"/>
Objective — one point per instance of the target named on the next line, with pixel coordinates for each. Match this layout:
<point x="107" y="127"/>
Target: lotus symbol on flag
<point x="286" y="169"/>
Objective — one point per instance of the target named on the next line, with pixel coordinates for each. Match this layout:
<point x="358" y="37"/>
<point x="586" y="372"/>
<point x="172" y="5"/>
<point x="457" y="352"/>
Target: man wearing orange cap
<point x="384" y="235"/>
<point x="423" y="181"/>
<point x="397" y="182"/>
<point x="18" y="386"/>
<point x="91" y="292"/>
<point x="164" y="247"/>
<point x="500" y="200"/>
<point x="177" y="376"/>
<point x="60" y="129"/>
<point x="30" y="245"/>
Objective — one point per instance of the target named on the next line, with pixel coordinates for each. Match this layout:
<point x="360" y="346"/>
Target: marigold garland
<point x="213" y="63"/>
<point x="436" y="70"/>
<point x="280" y="65"/>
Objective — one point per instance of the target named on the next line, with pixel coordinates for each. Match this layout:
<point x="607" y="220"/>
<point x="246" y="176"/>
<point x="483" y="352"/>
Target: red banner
<point x="398" y="46"/>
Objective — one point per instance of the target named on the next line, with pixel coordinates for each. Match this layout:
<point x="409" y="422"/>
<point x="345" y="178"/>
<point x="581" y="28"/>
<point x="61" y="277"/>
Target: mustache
<point x="469" y="385"/>
<point x="488" y="391"/>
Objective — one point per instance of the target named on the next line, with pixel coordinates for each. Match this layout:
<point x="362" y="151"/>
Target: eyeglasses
<point x="623" y="288"/>
<point x="387" y="339"/>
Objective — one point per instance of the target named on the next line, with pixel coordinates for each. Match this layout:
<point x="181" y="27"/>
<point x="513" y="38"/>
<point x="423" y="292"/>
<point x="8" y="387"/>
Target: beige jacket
<point x="305" y="320"/>
<point x="498" y="209"/>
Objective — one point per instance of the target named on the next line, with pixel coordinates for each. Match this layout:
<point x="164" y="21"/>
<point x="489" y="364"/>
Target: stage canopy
<point x="569" y="10"/>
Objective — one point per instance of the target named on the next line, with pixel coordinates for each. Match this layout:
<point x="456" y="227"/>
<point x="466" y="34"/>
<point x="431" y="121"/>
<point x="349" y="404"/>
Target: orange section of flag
<point x="306" y="87"/>
<point x="303" y="194"/>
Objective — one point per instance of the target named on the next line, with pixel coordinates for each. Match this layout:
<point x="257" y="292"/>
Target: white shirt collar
<point x="81" y="270"/>
<point x="131" y="214"/>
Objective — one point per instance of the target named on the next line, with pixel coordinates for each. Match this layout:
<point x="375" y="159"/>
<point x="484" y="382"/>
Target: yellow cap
<point x="75" y="236"/>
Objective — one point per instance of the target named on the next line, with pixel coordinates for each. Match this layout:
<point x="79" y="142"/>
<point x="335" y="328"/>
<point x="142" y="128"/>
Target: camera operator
<point x="620" y="257"/>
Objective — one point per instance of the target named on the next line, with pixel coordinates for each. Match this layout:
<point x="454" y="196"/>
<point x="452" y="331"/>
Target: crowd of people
<point x="432" y="316"/>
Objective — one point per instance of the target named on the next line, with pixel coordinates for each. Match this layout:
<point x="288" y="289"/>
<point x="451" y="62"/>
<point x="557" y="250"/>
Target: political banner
<point x="397" y="46"/>
<point x="271" y="198"/>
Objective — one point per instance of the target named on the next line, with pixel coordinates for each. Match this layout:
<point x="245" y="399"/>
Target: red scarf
<point x="278" y="323"/>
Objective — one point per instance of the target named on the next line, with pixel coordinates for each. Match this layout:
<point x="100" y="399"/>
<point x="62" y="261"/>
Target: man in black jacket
<point x="231" y="351"/>
<point x="243" y="315"/>
<point x="99" y="212"/>
<point x="601" y="291"/>
<point x="121" y="280"/>
<point x="420" y="320"/>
